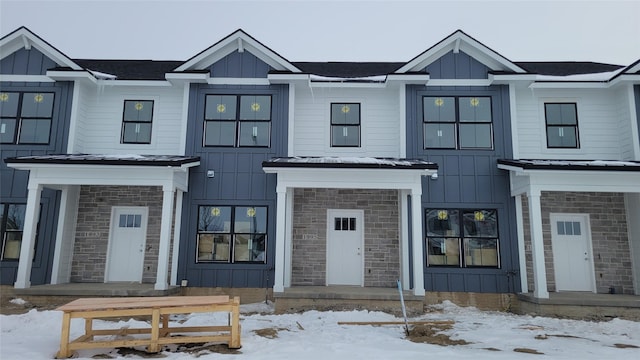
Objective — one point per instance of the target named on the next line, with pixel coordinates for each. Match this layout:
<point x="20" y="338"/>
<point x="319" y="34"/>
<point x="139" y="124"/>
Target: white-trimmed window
<point x="345" y="125"/>
<point x="561" y="121"/>
<point x="137" y="118"/>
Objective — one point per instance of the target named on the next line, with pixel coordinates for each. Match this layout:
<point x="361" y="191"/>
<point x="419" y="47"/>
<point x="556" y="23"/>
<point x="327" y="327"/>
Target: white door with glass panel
<point x="572" y="255"/>
<point x="345" y="242"/>
<point x="125" y="257"/>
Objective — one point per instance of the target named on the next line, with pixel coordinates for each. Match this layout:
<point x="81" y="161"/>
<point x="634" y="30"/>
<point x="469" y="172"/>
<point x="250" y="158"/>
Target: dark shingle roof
<point x="131" y="69"/>
<point x="564" y="68"/>
<point x="348" y="69"/>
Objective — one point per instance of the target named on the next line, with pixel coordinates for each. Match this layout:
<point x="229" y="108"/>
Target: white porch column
<point x="176" y="239"/>
<point x="524" y="285"/>
<point x="404" y="240"/>
<point x="165" y="237"/>
<point x="537" y="246"/>
<point x="280" y="248"/>
<point x="416" y="234"/>
<point x="288" y="251"/>
<point x="32" y="212"/>
<point x="65" y="237"/>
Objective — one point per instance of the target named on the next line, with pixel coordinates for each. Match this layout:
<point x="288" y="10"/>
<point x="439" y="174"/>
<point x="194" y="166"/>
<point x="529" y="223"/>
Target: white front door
<point x="572" y="256"/>
<point x="345" y="242"/>
<point x="125" y="257"/>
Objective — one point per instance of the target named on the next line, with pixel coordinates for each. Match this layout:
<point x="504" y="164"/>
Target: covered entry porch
<point x="96" y="206"/>
<point x="348" y="222"/>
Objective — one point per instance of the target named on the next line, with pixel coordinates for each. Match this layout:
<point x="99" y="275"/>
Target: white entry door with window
<point x="345" y="245"/>
<point x="572" y="255"/>
<point x="125" y="257"/>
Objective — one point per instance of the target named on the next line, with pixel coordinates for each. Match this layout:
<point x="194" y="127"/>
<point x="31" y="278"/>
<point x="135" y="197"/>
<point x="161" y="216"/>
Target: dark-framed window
<point x="562" y="125"/>
<point x="137" y="117"/>
<point x="232" y="234"/>
<point x="462" y="237"/>
<point x="457" y="122"/>
<point x="26" y="117"/>
<point x="12" y="226"/>
<point x="345" y="124"/>
<point x="237" y="120"/>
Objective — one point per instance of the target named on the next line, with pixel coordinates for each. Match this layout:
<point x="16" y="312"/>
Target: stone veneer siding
<point x="381" y="235"/>
<point x="610" y="241"/>
<point x="92" y="231"/>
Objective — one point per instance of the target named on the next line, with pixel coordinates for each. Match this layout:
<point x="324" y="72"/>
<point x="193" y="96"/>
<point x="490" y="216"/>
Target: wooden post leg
<point x="88" y="328"/>
<point x="154" y="347"/>
<point x="235" y="324"/>
<point x="64" y="337"/>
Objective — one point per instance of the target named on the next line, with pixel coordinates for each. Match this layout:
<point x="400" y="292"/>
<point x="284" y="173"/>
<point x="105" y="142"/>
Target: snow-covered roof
<point x="598" y="165"/>
<point x="349" y="162"/>
<point x="106" y="159"/>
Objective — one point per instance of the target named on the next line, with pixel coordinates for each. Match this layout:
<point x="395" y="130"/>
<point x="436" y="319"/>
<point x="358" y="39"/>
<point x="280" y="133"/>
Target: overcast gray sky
<point x="322" y="30"/>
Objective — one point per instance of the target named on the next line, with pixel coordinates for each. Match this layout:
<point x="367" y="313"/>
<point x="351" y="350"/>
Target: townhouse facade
<point x="456" y="171"/>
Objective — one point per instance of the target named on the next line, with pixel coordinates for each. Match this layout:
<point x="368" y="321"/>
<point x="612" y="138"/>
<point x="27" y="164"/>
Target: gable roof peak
<point x="24" y="38"/>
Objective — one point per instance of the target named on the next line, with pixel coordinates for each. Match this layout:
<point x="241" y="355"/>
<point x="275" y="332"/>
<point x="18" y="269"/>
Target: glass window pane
<point x="443" y="251"/>
<point x="475" y="109"/>
<point x="568" y="228"/>
<point x="7" y="130"/>
<point x="249" y="247"/>
<point x="220" y="133"/>
<point x="214" y="219"/>
<point x="440" y="136"/>
<point x="561" y="114"/>
<point x="481" y="252"/>
<point x="220" y="107"/>
<point x="9" y="104"/>
<point x="480" y="223"/>
<point x="123" y="221"/>
<point x="137" y="133"/>
<point x="352" y="224"/>
<point x="475" y="136"/>
<point x="576" y="228"/>
<point x="442" y="222"/>
<point x="37" y="105"/>
<point x="137" y="221"/>
<point x="562" y="136"/>
<point x="213" y="247"/>
<point x="345" y="135"/>
<point x="569" y="116"/>
<point x="345" y="114"/>
<point x="34" y="131"/>
<point x="255" y="108"/>
<point x="337" y="224"/>
<point x="15" y="216"/>
<point x="250" y="219"/>
<point x="254" y="133"/>
<point x="138" y="110"/>
<point x="439" y="109"/>
<point x="560" y="226"/>
<point x="13" y="241"/>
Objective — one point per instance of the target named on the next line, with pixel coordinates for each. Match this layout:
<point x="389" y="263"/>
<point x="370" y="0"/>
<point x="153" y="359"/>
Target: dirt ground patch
<point x="528" y="351"/>
<point x="432" y="334"/>
<point x="269" y="333"/>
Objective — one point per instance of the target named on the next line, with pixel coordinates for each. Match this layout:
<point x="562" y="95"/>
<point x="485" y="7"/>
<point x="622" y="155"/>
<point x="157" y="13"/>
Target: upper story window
<point x="25" y="117"/>
<point x="457" y="122"/>
<point x="462" y="238"/>
<point x="232" y="234"/>
<point x="345" y="125"/>
<point x="562" y="125"/>
<point x="237" y="121"/>
<point x="136" y="122"/>
<point x="12" y="226"/>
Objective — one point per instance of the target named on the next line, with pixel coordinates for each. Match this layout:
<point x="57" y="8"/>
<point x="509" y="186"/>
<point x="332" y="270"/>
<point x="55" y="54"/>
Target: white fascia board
<point x="624" y="78"/>
<point x="409" y="79"/>
<point x="150" y="83"/>
<point x="458" y="82"/>
<point x="17" y="40"/>
<point x="577" y="180"/>
<point x="71" y="76"/>
<point x="338" y="84"/>
<point x="237" y="81"/>
<point x="569" y="85"/>
<point x="25" y="78"/>
<point x="187" y="77"/>
<point x="287" y="78"/>
<point x="511" y="78"/>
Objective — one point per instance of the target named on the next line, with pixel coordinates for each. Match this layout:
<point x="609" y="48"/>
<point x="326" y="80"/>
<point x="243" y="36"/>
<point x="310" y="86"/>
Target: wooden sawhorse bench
<point x="159" y="308"/>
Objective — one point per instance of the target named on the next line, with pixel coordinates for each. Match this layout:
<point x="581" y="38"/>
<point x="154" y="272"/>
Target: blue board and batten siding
<point x="636" y="90"/>
<point x="468" y="179"/>
<point x="14" y="182"/>
<point x="238" y="176"/>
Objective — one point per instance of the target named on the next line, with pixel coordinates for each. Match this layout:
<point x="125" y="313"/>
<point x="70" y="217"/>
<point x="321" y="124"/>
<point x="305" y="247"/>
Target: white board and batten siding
<point x="379" y="120"/>
<point x="603" y="124"/>
<point x="99" y="123"/>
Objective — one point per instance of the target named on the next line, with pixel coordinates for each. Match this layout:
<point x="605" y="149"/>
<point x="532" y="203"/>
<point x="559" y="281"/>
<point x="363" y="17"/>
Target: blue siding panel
<point x="457" y="66"/>
<point x="14" y="182"/>
<point x="636" y="89"/>
<point x="240" y="65"/>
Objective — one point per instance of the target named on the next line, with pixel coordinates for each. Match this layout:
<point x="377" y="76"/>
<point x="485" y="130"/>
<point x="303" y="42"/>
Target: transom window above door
<point x="237" y="120"/>
<point x="345" y="125"/>
<point x="457" y="122"/>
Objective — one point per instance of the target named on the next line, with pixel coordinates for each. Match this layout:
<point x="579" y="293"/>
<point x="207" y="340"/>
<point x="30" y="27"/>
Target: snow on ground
<point x="317" y="335"/>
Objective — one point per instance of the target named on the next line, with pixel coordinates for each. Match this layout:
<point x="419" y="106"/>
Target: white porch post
<point x="404" y="240"/>
<point x="524" y="285"/>
<point x="287" y="237"/>
<point x="176" y="239"/>
<point x="28" y="236"/>
<point x="280" y="249"/>
<point x="165" y="236"/>
<point x="416" y="223"/>
<point x="537" y="246"/>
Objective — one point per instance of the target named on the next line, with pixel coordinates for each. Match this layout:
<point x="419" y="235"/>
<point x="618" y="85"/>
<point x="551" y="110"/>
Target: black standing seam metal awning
<point x="92" y="159"/>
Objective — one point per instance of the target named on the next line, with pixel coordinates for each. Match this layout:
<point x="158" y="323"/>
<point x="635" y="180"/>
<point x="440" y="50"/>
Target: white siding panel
<point x="103" y="121"/>
<point x="598" y="124"/>
<point x="380" y="121"/>
<point x="85" y="99"/>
